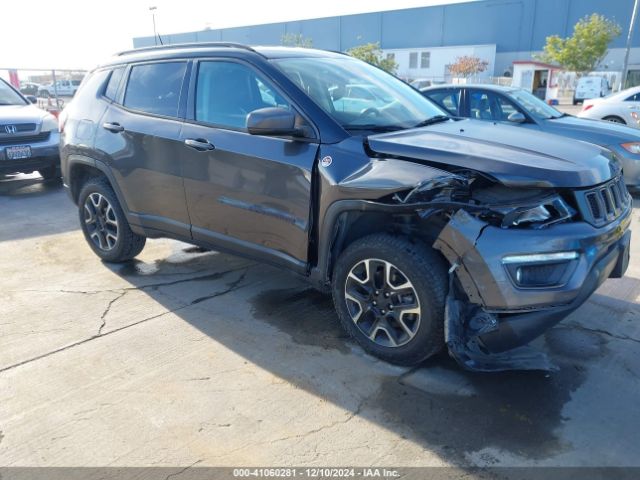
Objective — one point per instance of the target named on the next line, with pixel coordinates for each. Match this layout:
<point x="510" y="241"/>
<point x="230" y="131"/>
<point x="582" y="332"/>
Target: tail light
<point x="587" y="107"/>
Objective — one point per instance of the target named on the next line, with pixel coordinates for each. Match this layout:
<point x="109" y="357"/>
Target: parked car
<point x="621" y="107"/>
<point x="420" y="83"/>
<point x="29" y="88"/>
<point x="591" y="86"/>
<point x="397" y="210"/>
<point x="358" y="97"/>
<point x="64" y="88"/>
<point x="519" y="107"/>
<point x="28" y="136"/>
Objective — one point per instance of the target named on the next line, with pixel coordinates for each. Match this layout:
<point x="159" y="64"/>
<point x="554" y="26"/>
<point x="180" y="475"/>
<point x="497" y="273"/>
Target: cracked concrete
<point x="103" y="317"/>
<point x="187" y="358"/>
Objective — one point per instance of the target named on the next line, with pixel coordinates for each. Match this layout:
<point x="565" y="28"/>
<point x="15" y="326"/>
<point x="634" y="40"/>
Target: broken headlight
<point x="548" y="212"/>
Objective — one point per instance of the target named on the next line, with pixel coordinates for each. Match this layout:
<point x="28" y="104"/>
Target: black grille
<point x="603" y="204"/>
<point x="25" y="139"/>
<point x="20" y="127"/>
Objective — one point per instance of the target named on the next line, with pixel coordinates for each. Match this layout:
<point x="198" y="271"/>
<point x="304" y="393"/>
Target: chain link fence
<point x="48" y="89"/>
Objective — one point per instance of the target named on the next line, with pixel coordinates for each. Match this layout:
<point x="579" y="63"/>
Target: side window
<point x="486" y="105"/>
<point x="505" y="108"/>
<point x="633" y="98"/>
<point x="227" y="91"/>
<point x="425" y="59"/>
<point x="448" y="99"/>
<point x="413" y="60"/>
<point x="114" y="82"/>
<point x="92" y="85"/>
<point x="155" y="88"/>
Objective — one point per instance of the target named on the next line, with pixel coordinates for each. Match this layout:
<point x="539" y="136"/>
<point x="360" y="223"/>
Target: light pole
<point x="153" y="19"/>
<point x="625" y="67"/>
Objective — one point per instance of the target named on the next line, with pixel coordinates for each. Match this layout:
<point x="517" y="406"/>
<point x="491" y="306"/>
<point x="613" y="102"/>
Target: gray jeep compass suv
<point x="429" y="232"/>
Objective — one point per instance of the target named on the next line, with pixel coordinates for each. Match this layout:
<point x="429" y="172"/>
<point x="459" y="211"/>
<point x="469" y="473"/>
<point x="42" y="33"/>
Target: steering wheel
<point x="369" y="112"/>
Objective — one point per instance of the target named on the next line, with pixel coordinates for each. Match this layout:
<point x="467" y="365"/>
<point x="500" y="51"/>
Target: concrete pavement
<point x="185" y="357"/>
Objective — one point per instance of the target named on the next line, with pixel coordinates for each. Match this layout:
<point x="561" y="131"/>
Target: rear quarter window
<point x="155" y="88"/>
<point x="448" y="99"/>
<point x="114" y="83"/>
<point x="92" y="86"/>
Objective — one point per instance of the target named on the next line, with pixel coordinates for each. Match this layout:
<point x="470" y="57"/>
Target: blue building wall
<point x="512" y="25"/>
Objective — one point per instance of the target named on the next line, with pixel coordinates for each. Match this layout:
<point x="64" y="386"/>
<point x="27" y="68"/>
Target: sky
<point x="73" y="34"/>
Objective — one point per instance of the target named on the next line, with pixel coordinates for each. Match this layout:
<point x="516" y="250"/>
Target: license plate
<point x="18" y="152"/>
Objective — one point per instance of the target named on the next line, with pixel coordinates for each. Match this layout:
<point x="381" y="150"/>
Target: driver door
<point x="245" y="193"/>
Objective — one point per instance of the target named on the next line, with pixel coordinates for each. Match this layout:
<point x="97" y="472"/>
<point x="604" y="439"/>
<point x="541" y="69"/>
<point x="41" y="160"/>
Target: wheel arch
<point x="349" y="220"/>
<point x="80" y="169"/>
<point x="617" y="118"/>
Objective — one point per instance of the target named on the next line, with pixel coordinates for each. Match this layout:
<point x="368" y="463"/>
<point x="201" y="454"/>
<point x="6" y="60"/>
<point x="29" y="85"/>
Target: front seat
<point x="482" y="110"/>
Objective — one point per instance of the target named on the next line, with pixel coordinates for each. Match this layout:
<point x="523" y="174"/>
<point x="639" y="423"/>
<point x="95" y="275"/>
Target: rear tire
<point x="104" y="224"/>
<point x="614" y="119"/>
<point x="389" y="294"/>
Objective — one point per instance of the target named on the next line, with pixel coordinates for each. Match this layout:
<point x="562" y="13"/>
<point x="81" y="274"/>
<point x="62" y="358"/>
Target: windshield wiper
<point x="432" y="120"/>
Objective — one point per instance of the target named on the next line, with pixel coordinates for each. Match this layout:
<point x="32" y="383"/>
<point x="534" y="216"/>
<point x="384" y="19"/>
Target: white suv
<point x="65" y="88"/>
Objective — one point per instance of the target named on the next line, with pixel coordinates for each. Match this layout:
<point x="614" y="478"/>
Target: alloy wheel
<point x="382" y="302"/>
<point x="101" y="221"/>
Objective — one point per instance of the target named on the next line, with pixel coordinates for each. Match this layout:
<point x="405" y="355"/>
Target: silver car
<point x="519" y="107"/>
<point x="29" y="136"/>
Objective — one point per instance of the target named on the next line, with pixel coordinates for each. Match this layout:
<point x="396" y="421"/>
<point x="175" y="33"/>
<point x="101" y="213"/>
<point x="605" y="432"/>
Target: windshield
<point x="357" y="95"/>
<point x="533" y="105"/>
<point x="8" y="95"/>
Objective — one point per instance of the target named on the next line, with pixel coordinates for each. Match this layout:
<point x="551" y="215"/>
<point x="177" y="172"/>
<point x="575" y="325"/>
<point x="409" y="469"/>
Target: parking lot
<point x="186" y="357"/>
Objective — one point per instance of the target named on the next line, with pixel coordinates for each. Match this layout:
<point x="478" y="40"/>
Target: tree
<point x="296" y="40"/>
<point x="371" y="53"/>
<point x="586" y="48"/>
<point x="466" y="66"/>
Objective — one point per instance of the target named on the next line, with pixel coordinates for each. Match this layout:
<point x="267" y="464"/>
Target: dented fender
<point x="457" y="243"/>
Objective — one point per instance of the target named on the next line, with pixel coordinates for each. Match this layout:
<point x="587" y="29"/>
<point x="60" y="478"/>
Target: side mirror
<point x="517" y="117"/>
<point x="272" y="121"/>
<point x="31" y="98"/>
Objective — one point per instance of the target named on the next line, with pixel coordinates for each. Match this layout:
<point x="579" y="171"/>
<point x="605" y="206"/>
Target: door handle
<point x="113" y="127"/>
<point x="200" y="144"/>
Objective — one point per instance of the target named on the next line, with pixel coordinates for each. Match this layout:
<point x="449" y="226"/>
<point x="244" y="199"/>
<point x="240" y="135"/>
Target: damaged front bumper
<point x="514" y="284"/>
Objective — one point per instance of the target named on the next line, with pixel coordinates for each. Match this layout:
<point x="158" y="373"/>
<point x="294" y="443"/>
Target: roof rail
<point x="186" y="45"/>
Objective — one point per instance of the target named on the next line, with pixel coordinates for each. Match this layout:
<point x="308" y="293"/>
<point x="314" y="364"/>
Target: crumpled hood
<point x="514" y="156"/>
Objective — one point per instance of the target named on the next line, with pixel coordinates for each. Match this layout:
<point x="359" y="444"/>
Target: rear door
<point x="247" y="193"/>
<point x="140" y="137"/>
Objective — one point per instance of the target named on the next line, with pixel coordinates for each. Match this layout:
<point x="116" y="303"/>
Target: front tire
<point x="389" y="294"/>
<point x="104" y="224"/>
<point x="614" y="119"/>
